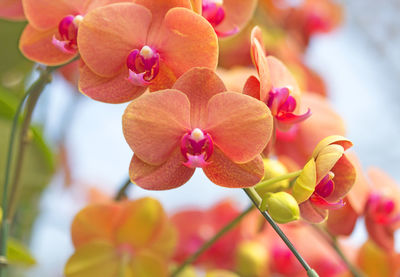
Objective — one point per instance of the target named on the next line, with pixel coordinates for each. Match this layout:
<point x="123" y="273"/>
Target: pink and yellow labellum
<point x="108" y="242"/>
<point x="51" y="35"/>
<point x="382" y="210"/>
<point x="276" y="86"/>
<point x="226" y="16"/>
<point x="325" y="179"/>
<point x="197" y="123"/>
<point x="298" y="143"/>
<point x="11" y="10"/>
<point x="128" y="47"/>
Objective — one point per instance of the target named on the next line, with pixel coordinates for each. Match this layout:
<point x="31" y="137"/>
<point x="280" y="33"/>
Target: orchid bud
<point x="221" y="273"/>
<point x="272" y="169"/>
<point x="251" y="259"/>
<point x="282" y="207"/>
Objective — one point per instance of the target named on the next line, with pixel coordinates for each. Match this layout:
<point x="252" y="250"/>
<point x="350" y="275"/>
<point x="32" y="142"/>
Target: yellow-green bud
<point x="188" y="271"/>
<point x="221" y="273"/>
<point x="282" y="207"/>
<point x="272" y="169"/>
<point x="251" y="259"/>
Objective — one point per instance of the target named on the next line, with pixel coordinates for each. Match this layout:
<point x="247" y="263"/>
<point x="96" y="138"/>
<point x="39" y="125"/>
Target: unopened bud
<point x="282" y="207"/>
<point x="221" y="273"/>
<point x="251" y="259"/>
<point x="272" y="169"/>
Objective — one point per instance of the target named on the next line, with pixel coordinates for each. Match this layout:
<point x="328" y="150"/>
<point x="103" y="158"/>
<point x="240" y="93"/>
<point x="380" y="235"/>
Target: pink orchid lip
<point x="143" y="66"/>
<point x="214" y="12"/>
<point x="197" y="147"/>
<point x="323" y="190"/>
<point x="382" y="209"/>
<point x="68" y="32"/>
<point x="282" y="106"/>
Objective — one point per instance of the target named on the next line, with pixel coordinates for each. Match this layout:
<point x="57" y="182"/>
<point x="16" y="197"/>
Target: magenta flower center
<point x="282" y="106"/>
<point x="68" y="34"/>
<point x="214" y="12"/>
<point x="143" y="65"/>
<point x="197" y="148"/>
<point x="323" y="190"/>
<point x="382" y="209"/>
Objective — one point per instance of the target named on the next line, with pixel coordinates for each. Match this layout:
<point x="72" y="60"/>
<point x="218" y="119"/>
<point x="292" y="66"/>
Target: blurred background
<point x="79" y="145"/>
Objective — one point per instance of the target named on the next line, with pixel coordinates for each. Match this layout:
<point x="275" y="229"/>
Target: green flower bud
<point x="282" y="207"/>
<point x="251" y="259"/>
<point x="272" y="169"/>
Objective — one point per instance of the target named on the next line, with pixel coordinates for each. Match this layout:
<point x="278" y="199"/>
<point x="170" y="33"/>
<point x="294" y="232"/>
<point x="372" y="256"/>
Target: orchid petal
<point x="12" y="10"/>
<point x="109" y="90"/>
<point x="312" y="213"/>
<point x="326" y="160"/>
<point x="223" y="172"/>
<point x="108" y="34"/>
<point x="342" y="221"/>
<point x="237" y="121"/>
<point x="252" y="87"/>
<point x="168" y="175"/>
<point x="345" y="176"/>
<point x="154" y="124"/>
<point x="146" y="264"/>
<point x="305" y="184"/>
<point x="338" y="140"/>
<point x="38" y="46"/>
<point x="199" y="85"/>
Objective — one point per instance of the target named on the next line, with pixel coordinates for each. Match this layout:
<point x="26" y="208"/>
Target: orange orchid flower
<point x="276" y="86"/>
<point x="197" y="123"/>
<point x="196" y="226"/>
<point x="128" y="47"/>
<point x="382" y="211"/>
<point x="11" y="10"/>
<point x="226" y="16"/>
<point x="51" y="35"/>
<point x="109" y="243"/>
<point x="299" y="142"/>
<point x="325" y="179"/>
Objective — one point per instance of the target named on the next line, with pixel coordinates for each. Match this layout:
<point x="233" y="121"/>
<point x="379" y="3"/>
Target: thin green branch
<point x="121" y="194"/>
<point x="210" y="242"/>
<point x="267" y="183"/>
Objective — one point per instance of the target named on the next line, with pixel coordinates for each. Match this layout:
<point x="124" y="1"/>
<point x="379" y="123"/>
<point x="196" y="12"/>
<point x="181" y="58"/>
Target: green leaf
<point x="18" y="254"/>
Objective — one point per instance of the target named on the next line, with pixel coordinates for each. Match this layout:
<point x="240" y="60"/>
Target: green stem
<point x="210" y="242"/>
<point x="256" y="199"/>
<point x="121" y="194"/>
<point x="332" y="240"/>
<point x="267" y="183"/>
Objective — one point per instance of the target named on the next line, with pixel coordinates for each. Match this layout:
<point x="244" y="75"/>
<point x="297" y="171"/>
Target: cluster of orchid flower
<point x="245" y="127"/>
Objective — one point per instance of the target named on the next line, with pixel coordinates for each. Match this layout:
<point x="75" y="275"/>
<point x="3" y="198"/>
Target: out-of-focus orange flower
<point x="197" y="123"/>
<point x="299" y="142"/>
<point x="196" y="226"/>
<point x="132" y="238"/>
<point x="382" y="211"/>
<point x="325" y="179"/>
<point x="11" y="10"/>
<point x="146" y="45"/>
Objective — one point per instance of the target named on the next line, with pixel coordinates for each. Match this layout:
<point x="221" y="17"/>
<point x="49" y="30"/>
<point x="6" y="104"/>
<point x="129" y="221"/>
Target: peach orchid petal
<point x="342" y="221"/>
<point x="345" y="176"/>
<point x="312" y="213"/>
<point x="37" y="45"/>
<point x="165" y="243"/>
<point x="252" y="87"/>
<point x="154" y="124"/>
<point x="326" y="159"/>
<point x="239" y="125"/>
<point x="187" y="40"/>
<point x="109" y="90"/>
<point x="237" y="14"/>
<point x="95" y="222"/>
<point x="335" y="139"/>
<point x="199" y="85"/>
<point x="146" y="264"/>
<point x="165" y="78"/>
<point x="11" y="10"/>
<point x="168" y="175"/>
<point x="146" y="213"/>
<point x="223" y="172"/>
<point x="108" y="34"/>
<point x="389" y="189"/>
<point x="196" y="6"/>
<point x="94" y="259"/>
<point x="45" y="14"/>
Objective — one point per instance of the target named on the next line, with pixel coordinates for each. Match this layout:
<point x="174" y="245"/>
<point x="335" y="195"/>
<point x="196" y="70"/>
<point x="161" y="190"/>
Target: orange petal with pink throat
<point x="237" y="14"/>
<point x="199" y="85"/>
<point x="345" y="176"/>
<point x="45" y="14"/>
<point x="94" y="259"/>
<point x="37" y="45"/>
<point x="169" y="175"/>
<point x="95" y="222"/>
<point x="146" y="213"/>
<point x="114" y="90"/>
<point x="223" y="172"/>
<point x="154" y="124"/>
<point x="239" y="125"/>
<point x="187" y="40"/>
<point x="108" y="34"/>
<point x="12" y="10"/>
<point x="312" y="213"/>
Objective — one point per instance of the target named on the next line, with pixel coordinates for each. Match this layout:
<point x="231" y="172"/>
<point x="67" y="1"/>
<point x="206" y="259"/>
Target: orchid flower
<point x="276" y="86"/>
<point x="108" y="242"/>
<point x="11" y="10"/>
<point x="325" y="179"/>
<point x="197" y="123"/>
<point x="128" y="47"/>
